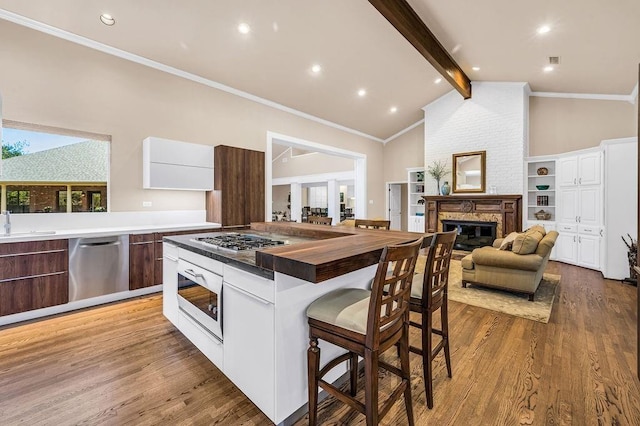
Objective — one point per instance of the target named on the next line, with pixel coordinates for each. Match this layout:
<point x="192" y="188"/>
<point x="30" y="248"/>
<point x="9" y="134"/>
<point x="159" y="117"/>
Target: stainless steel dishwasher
<point x="98" y="266"/>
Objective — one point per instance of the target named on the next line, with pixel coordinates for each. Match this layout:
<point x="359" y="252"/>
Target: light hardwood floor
<point x="125" y="364"/>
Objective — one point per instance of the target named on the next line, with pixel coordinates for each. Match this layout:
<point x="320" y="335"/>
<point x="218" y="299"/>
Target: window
<point x="51" y="170"/>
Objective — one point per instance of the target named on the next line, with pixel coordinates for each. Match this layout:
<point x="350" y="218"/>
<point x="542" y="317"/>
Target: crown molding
<point x="592" y="96"/>
<point x="123" y="54"/>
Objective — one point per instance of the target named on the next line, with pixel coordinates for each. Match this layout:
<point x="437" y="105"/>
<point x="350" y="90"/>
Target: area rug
<point x="516" y="304"/>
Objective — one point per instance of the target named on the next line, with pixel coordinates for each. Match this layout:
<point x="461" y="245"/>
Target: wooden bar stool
<point x="373" y="224"/>
<point x="429" y="293"/>
<point x="319" y="220"/>
<point x="366" y="323"/>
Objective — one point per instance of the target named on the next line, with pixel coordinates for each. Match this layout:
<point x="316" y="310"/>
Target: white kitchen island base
<point x="265" y="332"/>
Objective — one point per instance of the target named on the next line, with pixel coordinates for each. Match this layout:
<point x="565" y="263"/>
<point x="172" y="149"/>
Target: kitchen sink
<point x="22" y="234"/>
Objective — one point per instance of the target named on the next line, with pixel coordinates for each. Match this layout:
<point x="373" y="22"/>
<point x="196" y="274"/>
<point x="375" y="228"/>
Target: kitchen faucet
<point x="7" y="222"/>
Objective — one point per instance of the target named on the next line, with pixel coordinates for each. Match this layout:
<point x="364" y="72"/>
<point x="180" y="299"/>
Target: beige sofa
<point x="507" y="270"/>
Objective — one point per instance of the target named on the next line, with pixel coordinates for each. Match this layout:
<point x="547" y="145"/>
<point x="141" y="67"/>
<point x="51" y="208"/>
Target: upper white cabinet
<point x="169" y="164"/>
<point x="584" y="169"/>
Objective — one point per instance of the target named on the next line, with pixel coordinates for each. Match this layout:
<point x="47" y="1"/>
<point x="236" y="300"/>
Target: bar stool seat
<point x="346" y="308"/>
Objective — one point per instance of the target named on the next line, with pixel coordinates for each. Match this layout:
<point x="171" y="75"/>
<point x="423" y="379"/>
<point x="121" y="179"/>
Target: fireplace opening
<point x="471" y="234"/>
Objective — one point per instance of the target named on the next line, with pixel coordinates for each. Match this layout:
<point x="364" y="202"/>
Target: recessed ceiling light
<point x="244" y="28"/>
<point x="316" y="68"/>
<point x="362" y="92"/>
<point x="475" y="68"/>
<point x="548" y="68"/>
<point x="107" y="19"/>
<point x="438" y="80"/>
<point x="544" y="29"/>
<point x="393" y="109"/>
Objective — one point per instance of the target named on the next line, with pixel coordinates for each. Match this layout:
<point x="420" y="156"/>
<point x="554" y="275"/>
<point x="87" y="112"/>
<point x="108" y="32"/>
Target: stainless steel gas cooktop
<point x="236" y="242"/>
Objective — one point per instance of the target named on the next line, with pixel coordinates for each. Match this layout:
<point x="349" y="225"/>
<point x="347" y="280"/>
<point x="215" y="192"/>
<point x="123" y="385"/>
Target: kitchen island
<point x="255" y="330"/>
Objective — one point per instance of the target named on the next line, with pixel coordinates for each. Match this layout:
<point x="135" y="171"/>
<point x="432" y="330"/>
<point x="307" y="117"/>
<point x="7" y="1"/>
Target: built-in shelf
<point x="540" y="199"/>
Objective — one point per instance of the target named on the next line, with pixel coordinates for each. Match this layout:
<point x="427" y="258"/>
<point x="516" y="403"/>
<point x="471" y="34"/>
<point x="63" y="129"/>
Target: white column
<point x="69" y="206"/>
<point x="296" y="201"/>
<point x="3" y="195"/>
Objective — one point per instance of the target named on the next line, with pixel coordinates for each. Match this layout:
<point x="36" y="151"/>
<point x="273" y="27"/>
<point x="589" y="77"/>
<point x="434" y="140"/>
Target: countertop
<point x="245" y="260"/>
<point x="19" y="236"/>
<point x="316" y="253"/>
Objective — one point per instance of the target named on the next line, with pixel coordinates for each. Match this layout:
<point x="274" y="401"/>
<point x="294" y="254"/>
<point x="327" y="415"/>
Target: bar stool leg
<point x="427" y="337"/>
<point x="354" y="373"/>
<point x="403" y="349"/>
<point x="444" y="316"/>
<point x="313" y="368"/>
<point x="371" y="386"/>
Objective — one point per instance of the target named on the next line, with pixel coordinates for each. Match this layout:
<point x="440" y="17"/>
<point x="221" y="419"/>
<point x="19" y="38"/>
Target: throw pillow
<point x="527" y="242"/>
<point x="507" y="243"/>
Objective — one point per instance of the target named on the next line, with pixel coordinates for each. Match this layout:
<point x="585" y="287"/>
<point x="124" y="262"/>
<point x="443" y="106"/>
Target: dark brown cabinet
<point x="33" y="275"/>
<point x="141" y="261"/>
<point x="238" y="195"/>
<point x="145" y="257"/>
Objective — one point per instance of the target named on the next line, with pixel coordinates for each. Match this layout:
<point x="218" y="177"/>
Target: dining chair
<point x="373" y="224"/>
<point x="319" y="220"/>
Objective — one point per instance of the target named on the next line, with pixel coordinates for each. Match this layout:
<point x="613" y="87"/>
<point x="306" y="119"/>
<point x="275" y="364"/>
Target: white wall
<point x="493" y="120"/>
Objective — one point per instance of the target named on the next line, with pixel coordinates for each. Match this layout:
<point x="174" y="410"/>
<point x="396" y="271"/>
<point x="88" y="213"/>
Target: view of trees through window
<point x="50" y="172"/>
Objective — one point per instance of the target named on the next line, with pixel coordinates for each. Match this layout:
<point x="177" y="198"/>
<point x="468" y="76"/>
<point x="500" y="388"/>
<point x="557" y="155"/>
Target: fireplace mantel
<point x="506" y="209"/>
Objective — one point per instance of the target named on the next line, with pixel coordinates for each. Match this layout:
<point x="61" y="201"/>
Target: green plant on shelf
<point x="437" y="170"/>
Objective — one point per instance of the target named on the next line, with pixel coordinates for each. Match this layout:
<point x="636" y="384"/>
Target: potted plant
<point x="437" y="170"/>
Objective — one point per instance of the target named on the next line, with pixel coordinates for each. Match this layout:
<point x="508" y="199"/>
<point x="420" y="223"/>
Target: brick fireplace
<point x="505" y="211"/>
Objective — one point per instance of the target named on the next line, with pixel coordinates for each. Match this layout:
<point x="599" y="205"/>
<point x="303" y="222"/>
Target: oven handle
<point x="246" y="293"/>
<point x="193" y="274"/>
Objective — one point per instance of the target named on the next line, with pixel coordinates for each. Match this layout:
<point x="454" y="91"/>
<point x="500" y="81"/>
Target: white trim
<point x="402" y="132"/>
<point x="110" y="50"/>
<point x="359" y="175"/>
<point x="592" y="96"/>
<point x="634" y="94"/>
<point x="609" y="142"/>
<point x="281" y="154"/>
<point x="320" y="177"/>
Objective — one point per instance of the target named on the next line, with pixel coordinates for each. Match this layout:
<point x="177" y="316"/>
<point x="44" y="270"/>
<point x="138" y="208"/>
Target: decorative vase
<point x="437" y="186"/>
<point x="446" y="189"/>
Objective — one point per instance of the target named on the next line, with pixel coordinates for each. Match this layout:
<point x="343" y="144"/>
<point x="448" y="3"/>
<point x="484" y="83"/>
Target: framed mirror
<point x="469" y="172"/>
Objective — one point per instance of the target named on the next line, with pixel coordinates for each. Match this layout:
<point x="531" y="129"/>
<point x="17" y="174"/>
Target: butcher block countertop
<point x="336" y="250"/>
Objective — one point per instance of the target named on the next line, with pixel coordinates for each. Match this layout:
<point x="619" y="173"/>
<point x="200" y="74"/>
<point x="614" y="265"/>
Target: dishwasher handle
<point x="101" y="244"/>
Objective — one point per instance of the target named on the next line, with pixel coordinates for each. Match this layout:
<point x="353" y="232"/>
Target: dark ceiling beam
<point x="409" y="24"/>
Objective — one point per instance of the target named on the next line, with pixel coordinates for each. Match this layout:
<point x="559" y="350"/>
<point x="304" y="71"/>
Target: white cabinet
<point x="579" y="245"/>
<point x="168" y="164"/>
<point x="583" y="169"/>
<point x="170" y="282"/>
<point x="416" y="224"/>
<point x="580" y="214"/>
<point x="249" y="336"/>
<point x="415" y="181"/>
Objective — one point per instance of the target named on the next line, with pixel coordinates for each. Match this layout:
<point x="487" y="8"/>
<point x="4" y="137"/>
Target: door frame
<point x="387" y="204"/>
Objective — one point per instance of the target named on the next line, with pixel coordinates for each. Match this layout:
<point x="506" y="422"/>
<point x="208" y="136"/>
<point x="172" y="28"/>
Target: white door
<point x="567" y="246"/>
<point x="589" y="251"/>
<point x="589" y="169"/>
<point x="568" y="171"/>
<point x="589" y="208"/>
<point x="395" y="206"/>
<point x="568" y="204"/>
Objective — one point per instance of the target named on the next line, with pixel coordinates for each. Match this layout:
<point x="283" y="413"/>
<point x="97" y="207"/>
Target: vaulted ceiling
<point x="596" y="41"/>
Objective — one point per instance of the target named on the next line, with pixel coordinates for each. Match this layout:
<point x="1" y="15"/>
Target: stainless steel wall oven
<point x="200" y="296"/>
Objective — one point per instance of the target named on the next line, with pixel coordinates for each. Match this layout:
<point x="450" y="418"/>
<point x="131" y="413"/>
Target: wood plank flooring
<point x="124" y="364"/>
